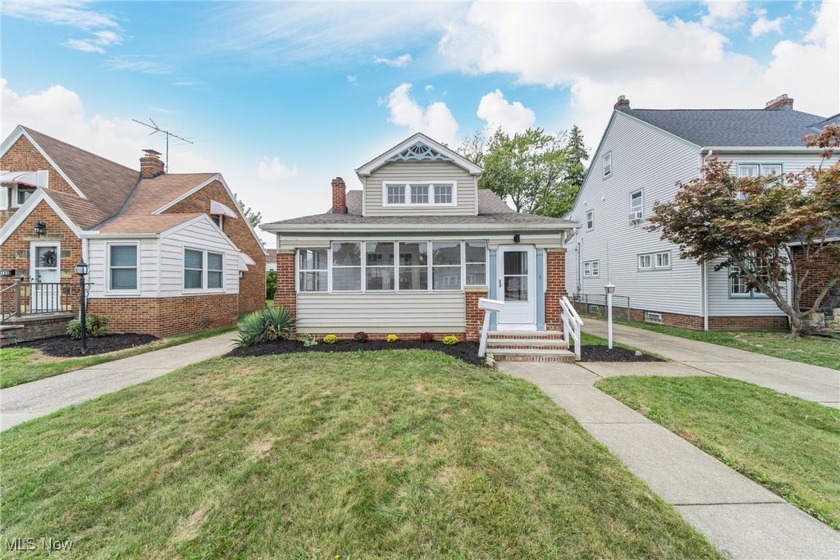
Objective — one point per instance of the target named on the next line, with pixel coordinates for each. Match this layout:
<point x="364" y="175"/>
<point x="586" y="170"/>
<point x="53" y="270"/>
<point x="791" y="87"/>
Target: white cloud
<point x="589" y="49"/>
<point x="138" y="63"/>
<point x="763" y="26"/>
<point x="273" y="169"/>
<point x="96" y="43"/>
<point x="497" y="112"/>
<point x="435" y="120"/>
<point x="398" y="62"/>
<point x="104" y="29"/>
<point x="723" y="12"/>
<point x="351" y="79"/>
<point x="429" y="88"/>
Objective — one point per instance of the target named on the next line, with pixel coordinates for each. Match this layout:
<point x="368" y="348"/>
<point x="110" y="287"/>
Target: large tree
<point x="540" y="173"/>
<point x="774" y="232"/>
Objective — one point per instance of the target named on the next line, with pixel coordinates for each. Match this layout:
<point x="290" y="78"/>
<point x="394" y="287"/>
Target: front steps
<point x="529" y="346"/>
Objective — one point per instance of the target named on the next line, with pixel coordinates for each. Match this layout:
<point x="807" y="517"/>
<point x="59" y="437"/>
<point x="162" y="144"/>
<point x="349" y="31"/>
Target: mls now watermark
<point x="46" y="543"/>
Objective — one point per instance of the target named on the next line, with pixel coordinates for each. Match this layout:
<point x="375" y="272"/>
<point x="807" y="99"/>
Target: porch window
<point x="193" y="269"/>
<point x="347" y="267"/>
<point x="414" y="266"/>
<point x="379" y="266"/>
<point x="313" y="270"/>
<point x="122" y="267"/>
<point x="215" y="270"/>
<point x="475" y="253"/>
<point x="446" y="265"/>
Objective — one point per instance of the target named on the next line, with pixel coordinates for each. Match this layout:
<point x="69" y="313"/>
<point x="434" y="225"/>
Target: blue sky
<point x="281" y="97"/>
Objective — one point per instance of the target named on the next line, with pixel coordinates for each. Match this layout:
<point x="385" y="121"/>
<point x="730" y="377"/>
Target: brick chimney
<point x="781" y="103"/>
<point x="622" y="103"/>
<point x="151" y="165"/>
<point x="339" y="196"/>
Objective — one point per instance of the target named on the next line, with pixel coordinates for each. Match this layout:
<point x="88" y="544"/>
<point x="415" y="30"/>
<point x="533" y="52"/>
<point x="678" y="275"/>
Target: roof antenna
<point x="155" y="129"/>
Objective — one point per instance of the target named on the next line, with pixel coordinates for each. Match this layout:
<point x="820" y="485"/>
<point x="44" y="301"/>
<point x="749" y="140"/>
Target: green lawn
<point x="22" y="365"/>
<point x="814" y="350"/>
<point x="392" y="454"/>
<point x="789" y="445"/>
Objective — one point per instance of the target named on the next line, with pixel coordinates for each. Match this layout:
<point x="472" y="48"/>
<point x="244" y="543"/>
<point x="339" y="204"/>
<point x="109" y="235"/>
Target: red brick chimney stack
<point x="151" y="165"/>
<point x="781" y="103"/>
<point x="622" y="103"/>
<point x="339" y="196"/>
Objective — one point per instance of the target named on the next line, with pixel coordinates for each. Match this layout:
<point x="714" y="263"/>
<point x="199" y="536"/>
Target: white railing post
<point x="489" y="306"/>
<point x="571" y="319"/>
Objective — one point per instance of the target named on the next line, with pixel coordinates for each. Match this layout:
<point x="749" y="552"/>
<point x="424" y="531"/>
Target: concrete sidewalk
<point x="742" y="518"/>
<point x="39" y="398"/>
<point x="805" y="381"/>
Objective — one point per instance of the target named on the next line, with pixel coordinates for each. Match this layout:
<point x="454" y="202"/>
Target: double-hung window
<point x="313" y="272"/>
<point x="636" y="206"/>
<point x="215" y="270"/>
<point x="591" y="269"/>
<point x="606" y="164"/>
<point x="645" y="262"/>
<point x="122" y="267"/>
<point x="663" y="260"/>
<point x="655" y="261"/>
<point x="203" y="270"/>
<point x="590" y="220"/>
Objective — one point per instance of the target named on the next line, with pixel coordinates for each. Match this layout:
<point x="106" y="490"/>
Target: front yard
<point x="789" y="445"/>
<point x="358" y="455"/>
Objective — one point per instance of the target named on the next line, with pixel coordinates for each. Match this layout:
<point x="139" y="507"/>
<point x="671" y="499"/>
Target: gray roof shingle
<point x="734" y="127"/>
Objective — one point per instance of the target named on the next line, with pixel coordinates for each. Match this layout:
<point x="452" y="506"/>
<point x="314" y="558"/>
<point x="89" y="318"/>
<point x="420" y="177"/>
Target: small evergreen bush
<point x="96" y="325"/>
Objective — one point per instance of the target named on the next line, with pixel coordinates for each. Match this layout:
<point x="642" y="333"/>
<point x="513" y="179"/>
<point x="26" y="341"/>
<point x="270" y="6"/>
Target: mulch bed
<point x="66" y="347"/>
<point x="604" y="354"/>
<point x="465" y="351"/>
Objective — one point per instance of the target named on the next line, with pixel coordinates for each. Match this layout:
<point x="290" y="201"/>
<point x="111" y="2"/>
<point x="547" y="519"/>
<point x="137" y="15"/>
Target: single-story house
<point x="415" y="248"/>
<point x="168" y="253"/>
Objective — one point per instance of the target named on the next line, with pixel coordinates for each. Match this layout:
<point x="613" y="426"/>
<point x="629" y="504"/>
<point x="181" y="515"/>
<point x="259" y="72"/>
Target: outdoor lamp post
<point x="82" y="270"/>
<point x="610" y="290"/>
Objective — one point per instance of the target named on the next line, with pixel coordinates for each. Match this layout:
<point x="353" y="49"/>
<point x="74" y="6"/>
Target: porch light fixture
<point x="610" y="290"/>
<point x="82" y="270"/>
<point x="516" y="238"/>
<point x="40" y="228"/>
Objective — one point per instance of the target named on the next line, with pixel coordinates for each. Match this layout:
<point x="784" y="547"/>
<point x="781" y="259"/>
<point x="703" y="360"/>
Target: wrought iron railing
<point x="37" y="298"/>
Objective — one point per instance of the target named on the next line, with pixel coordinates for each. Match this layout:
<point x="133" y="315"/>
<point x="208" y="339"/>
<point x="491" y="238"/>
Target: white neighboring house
<point x="641" y="156"/>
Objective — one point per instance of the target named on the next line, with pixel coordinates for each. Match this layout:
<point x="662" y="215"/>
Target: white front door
<point x="517" y="287"/>
<point x="44" y="277"/>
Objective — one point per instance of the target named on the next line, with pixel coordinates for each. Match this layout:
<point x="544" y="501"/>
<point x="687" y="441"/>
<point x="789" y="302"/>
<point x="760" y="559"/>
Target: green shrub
<point x="270" y="284"/>
<point x="450" y="339"/>
<point x="308" y="340"/>
<point x="330" y="339"/>
<point x="96" y="325"/>
<point x="267" y="324"/>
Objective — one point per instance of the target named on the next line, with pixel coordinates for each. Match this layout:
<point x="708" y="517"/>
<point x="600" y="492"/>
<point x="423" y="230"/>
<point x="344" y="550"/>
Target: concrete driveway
<point x="45" y="396"/>
<point x="805" y="381"/>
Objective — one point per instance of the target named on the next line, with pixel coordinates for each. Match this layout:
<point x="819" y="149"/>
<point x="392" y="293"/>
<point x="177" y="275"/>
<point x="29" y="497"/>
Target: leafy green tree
<point x="774" y="231"/>
<point x="539" y="173"/>
<point x="270" y="284"/>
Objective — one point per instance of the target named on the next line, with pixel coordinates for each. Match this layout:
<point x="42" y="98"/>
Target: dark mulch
<point x="66" y="347"/>
<point x="604" y="354"/>
<point x="465" y="351"/>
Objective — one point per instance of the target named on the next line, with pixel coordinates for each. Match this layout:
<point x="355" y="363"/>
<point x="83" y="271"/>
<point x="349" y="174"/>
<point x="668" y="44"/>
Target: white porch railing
<point x="489" y="306"/>
<point x="571" y="323"/>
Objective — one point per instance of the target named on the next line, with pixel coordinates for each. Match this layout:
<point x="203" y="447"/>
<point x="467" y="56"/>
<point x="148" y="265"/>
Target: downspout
<point x="704" y="271"/>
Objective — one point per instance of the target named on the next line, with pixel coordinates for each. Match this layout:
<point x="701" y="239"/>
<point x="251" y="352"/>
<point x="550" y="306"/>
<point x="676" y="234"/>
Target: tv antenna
<point x="155" y="129"/>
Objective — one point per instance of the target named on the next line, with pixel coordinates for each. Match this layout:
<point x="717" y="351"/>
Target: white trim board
<point x="24" y="211"/>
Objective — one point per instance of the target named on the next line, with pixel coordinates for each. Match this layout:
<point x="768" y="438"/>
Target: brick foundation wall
<point x="475" y="316"/>
<point x="555" y="287"/>
<point x="824" y="267"/>
<point x="285" y="294"/>
<point x="35" y="328"/>
<point x="693" y="322"/>
<point x="23" y="156"/>
<point x="163" y="317"/>
<point x="748" y="323"/>
<point x="14" y="253"/>
<point x="462" y="336"/>
<point x="252" y="283"/>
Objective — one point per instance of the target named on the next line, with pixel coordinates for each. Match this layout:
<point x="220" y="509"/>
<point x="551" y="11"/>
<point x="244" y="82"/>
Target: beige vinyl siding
<point x="643" y="158"/>
<point x="420" y="171"/>
<point x="200" y="235"/>
<point x="397" y="312"/>
<point x="147" y="268"/>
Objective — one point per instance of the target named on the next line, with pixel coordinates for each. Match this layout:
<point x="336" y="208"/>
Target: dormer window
<point x="419" y="194"/>
<point x="219" y="220"/>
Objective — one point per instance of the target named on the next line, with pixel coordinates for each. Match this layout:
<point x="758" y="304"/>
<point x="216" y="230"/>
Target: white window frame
<point x="400" y="267"/>
<point x="461" y="266"/>
<point x="641" y="208"/>
<point x="394" y="267"/>
<point x="467" y="263"/>
<point x="407" y="192"/>
<point x="645" y="261"/>
<point x="592" y="269"/>
<point x="205" y="264"/>
<point x="752" y="293"/>
<point x="122" y="291"/>
<point x="590" y="220"/>
<point x="207" y="271"/>
<point x="5" y="193"/>
<point x="606" y="165"/>
<point x="221" y="220"/>
<point x="658" y="258"/>
<point x="299" y="271"/>
<point x="360" y="266"/>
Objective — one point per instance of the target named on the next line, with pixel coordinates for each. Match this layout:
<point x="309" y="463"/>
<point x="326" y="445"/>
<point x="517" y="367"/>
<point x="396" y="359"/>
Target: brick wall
<point x="164" y="317"/>
<point x="35" y="328"/>
<point x="748" y="323"/>
<point x="475" y="316"/>
<point x="555" y="287"/>
<point x="694" y="322"/>
<point x="23" y="156"/>
<point x="252" y="283"/>
<point x="14" y="253"/>
<point x="824" y="267"/>
<point x="285" y="294"/>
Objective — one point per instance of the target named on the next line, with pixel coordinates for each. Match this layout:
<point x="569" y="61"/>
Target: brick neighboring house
<point x="415" y="249"/>
<point x="168" y="253"/>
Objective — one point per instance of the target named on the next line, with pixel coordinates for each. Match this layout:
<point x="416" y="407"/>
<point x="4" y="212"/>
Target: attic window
<point x="419" y="194"/>
<point x="606" y="162"/>
<point x="419" y="152"/>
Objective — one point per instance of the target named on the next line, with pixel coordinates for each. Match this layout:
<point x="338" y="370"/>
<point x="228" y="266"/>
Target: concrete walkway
<point x="743" y="519"/>
<point x="805" y="381"/>
<point x="45" y="396"/>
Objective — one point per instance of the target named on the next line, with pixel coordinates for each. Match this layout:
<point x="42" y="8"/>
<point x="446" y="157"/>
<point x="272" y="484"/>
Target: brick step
<point x="533" y="343"/>
<point x="531" y="355"/>
<point x="507" y="335"/>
